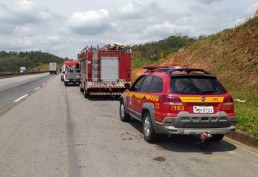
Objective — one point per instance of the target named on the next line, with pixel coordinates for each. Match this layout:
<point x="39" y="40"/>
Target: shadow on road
<point x="106" y="98"/>
<point x="72" y="85"/>
<point x="183" y="143"/>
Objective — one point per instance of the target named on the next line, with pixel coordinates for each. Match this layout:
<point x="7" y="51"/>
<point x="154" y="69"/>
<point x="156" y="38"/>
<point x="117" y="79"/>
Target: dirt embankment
<point x="232" y="55"/>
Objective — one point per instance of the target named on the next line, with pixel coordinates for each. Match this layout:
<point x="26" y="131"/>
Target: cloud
<point x="25" y="25"/>
<point x="90" y="22"/>
<point x="161" y="30"/>
<point x="138" y="12"/>
<point x="22" y="12"/>
<point x="132" y="11"/>
<point x="64" y="28"/>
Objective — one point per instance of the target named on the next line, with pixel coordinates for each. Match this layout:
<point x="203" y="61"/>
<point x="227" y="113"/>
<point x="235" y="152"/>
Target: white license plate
<point x="203" y="109"/>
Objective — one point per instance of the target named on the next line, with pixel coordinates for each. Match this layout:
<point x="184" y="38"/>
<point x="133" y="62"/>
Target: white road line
<point x="19" y="99"/>
<point x="48" y="80"/>
<point x="37" y="88"/>
<point x="44" y="84"/>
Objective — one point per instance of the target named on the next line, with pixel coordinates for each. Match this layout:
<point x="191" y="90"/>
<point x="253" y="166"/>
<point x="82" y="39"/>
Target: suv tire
<point x="149" y="133"/>
<point x="217" y="137"/>
<point x="124" y="116"/>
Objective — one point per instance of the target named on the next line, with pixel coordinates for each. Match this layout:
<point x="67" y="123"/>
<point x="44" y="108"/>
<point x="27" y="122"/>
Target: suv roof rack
<point x="153" y="68"/>
<point x="187" y="70"/>
<point x="171" y="69"/>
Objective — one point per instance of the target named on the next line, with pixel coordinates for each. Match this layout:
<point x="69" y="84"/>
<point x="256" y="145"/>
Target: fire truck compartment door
<point x="109" y="70"/>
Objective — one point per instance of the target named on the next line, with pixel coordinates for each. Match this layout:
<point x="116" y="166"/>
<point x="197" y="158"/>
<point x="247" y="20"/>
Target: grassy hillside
<point x="156" y="50"/>
<point x="33" y="61"/>
<point x="152" y="51"/>
<point x="232" y="55"/>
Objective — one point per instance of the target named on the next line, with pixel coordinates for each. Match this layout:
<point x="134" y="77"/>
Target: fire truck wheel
<point x="217" y="137"/>
<point x="65" y="83"/>
<point x="86" y="94"/>
<point x="149" y="133"/>
<point x="124" y="116"/>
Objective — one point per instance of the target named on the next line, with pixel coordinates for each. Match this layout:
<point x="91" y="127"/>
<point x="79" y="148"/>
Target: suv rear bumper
<point x="72" y="80"/>
<point x="191" y="131"/>
<point x="187" y="123"/>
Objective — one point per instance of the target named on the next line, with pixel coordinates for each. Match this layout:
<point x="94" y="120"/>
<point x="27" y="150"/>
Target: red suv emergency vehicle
<point x="179" y="100"/>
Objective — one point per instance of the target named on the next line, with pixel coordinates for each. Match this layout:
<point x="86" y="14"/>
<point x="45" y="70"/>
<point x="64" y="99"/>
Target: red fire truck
<point x="105" y="71"/>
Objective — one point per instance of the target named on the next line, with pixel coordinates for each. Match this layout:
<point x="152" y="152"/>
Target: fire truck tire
<point x="85" y="93"/>
<point x="124" y="116"/>
<point x="217" y="137"/>
<point x="149" y="133"/>
<point x="65" y="83"/>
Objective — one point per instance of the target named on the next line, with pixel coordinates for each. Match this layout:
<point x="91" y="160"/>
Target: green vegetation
<point x="232" y="56"/>
<point x="12" y="61"/>
<point x="160" y="49"/>
<point x="247" y="112"/>
<point x="139" y="63"/>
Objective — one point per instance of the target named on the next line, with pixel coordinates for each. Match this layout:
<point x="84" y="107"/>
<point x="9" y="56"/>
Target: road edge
<point x="243" y="138"/>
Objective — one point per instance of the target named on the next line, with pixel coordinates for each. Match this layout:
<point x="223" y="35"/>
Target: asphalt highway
<point x="15" y="89"/>
<point x="55" y="132"/>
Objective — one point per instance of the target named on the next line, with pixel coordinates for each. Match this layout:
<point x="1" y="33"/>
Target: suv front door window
<point x="146" y="84"/>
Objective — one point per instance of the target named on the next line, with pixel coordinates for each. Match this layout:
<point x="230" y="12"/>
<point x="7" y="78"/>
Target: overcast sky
<point x="65" y="27"/>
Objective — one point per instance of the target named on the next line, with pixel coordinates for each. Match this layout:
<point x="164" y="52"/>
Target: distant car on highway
<point x="179" y="101"/>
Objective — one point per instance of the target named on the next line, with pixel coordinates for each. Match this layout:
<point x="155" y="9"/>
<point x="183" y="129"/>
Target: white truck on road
<point x="52" y="68"/>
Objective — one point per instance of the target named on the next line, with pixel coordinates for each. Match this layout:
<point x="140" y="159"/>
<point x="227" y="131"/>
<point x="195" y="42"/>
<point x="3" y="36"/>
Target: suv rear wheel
<point x="217" y="137"/>
<point x="124" y="116"/>
<point x="149" y="133"/>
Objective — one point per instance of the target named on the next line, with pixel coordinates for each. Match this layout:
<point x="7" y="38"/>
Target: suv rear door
<point x="143" y="95"/>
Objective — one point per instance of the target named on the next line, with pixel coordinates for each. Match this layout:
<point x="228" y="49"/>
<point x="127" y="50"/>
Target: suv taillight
<point x="170" y="100"/>
<point x="228" y="104"/>
<point x="228" y="100"/>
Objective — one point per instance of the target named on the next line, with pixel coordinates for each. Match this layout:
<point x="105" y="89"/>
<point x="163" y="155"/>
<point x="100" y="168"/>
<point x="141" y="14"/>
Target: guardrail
<point x="13" y="74"/>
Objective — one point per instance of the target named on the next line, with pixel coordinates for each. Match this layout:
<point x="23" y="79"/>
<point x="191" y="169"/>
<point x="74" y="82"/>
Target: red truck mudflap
<point x="113" y="89"/>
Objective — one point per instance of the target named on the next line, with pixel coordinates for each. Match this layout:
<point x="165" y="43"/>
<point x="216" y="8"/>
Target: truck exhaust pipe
<point x="205" y="135"/>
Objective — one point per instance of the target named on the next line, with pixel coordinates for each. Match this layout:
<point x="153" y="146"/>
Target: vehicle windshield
<point x="196" y="85"/>
<point x="71" y="69"/>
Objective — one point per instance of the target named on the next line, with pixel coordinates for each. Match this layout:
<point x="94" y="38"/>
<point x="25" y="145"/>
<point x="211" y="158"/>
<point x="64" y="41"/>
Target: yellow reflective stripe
<point x="148" y="97"/>
<point x="138" y="96"/>
<point x="215" y="99"/>
<point x="141" y="95"/>
<point x="202" y="99"/>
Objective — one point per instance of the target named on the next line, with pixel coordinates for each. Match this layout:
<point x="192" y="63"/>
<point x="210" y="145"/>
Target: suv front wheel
<point x="149" y="133"/>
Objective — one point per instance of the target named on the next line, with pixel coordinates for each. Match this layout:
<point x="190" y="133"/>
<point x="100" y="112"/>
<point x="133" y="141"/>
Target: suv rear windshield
<point x="196" y="85"/>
